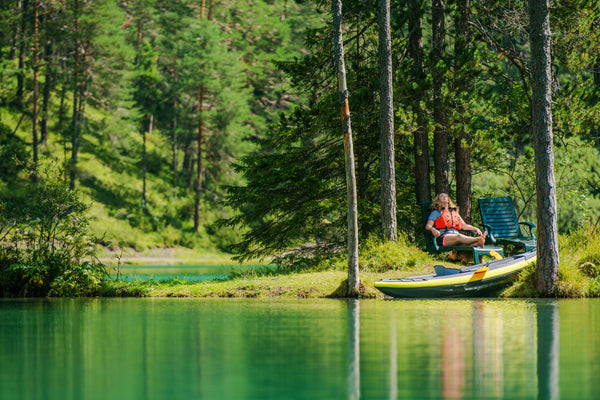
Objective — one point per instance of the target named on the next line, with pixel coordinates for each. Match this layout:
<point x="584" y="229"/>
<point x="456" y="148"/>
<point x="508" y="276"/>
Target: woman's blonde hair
<point x="437" y="205"/>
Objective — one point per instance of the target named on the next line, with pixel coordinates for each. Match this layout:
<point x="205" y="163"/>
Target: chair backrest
<point x="499" y="214"/>
<point x="430" y="244"/>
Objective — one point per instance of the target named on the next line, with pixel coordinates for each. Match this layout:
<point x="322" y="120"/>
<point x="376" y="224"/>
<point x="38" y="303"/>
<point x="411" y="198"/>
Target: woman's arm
<point x="471" y="228"/>
<point x="430" y="228"/>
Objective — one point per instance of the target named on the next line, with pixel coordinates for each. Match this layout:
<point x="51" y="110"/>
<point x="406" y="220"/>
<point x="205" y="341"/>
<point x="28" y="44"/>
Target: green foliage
<point x="272" y="140"/>
<point x="143" y="58"/>
<point x="379" y="256"/>
<point x="46" y="246"/>
<point x="579" y="269"/>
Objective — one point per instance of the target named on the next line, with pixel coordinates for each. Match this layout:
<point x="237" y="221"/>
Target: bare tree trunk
<point x="199" y="167"/>
<point x="546" y="273"/>
<point x="338" y="46"/>
<point x="462" y="152"/>
<point x="22" y="39"/>
<point x="440" y="133"/>
<point x="174" y="126"/>
<point x="36" y="94"/>
<point x="210" y="10"/>
<point x="144" y="158"/>
<point x="421" y="142"/>
<point x="49" y="76"/>
<point x="76" y="90"/>
<point x="389" y="225"/>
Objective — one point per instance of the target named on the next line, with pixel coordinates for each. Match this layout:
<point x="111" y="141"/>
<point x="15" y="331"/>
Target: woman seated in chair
<point x="445" y="224"/>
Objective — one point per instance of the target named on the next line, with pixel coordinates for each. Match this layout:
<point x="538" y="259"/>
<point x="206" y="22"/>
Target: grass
<point x="297" y="277"/>
<point x="579" y="271"/>
<point x="326" y="277"/>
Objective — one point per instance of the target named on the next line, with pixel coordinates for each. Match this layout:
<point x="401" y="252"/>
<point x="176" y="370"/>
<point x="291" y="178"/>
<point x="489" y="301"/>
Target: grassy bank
<point x="320" y="277"/>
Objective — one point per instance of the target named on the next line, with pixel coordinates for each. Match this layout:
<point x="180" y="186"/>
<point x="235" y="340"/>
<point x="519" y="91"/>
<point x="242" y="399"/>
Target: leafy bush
<point x="579" y="270"/>
<point x="45" y="245"/>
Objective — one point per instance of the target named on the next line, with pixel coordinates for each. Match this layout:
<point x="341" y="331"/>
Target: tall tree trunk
<point x="144" y="158"/>
<point x="61" y="121"/>
<point x="210" y="10"/>
<point x="199" y="167"/>
<point x="389" y="224"/>
<point x="546" y="274"/>
<point x="338" y="47"/>
<point x="76" y="94"/>
<point x="462" y="152"/>
<point x="49" y="77"/>
<point x="362" y="173"/>
<point x="22" y="40"/>
<point x="174" y="125"/>
<point x="421" y="143"/>
<point x="440" y="133"/>
<point x="36" y="62"/>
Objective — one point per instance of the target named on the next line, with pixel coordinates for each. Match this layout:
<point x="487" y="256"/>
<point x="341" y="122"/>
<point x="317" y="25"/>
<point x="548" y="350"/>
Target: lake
<point x="299" y="349"/>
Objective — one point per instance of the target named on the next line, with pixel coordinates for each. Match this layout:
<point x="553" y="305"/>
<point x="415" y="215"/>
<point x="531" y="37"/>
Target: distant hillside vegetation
<point x="130" y="95"/>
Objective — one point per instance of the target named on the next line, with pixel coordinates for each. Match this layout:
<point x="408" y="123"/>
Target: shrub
<point x="45" y="246"/>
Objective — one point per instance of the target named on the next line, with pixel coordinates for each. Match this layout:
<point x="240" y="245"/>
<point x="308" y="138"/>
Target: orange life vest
<point x="449" y="220"/>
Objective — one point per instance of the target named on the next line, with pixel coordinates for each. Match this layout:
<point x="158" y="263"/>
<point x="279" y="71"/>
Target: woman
<point x="444" y="223"/>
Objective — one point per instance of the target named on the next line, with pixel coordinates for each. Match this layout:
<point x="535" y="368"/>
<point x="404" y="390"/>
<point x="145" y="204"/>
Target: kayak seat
<point x="431" y="245"/>
<point x="500" y="221"/>
<point x="440" y="270"/>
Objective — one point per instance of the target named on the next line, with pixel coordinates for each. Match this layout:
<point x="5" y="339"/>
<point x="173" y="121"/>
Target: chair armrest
<point x="433" y="240"/>
<point x="488" y="232"/>
<point x="531" y="228"/>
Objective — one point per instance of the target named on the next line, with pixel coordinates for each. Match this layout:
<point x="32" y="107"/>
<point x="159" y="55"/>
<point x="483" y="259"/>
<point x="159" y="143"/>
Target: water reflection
<point x="353" y="349"/>
<point x="300" y="349"/>
<point x="473" y="349"/>
<point x="548" y="350"/>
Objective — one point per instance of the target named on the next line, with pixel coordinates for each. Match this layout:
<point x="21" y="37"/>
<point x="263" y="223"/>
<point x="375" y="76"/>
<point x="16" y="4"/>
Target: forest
<point x="215" y="125"/>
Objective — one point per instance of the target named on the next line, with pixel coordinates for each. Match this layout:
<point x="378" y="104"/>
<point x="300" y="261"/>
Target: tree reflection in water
<point x="353" y="349"/>
<point x="548" y="350"/>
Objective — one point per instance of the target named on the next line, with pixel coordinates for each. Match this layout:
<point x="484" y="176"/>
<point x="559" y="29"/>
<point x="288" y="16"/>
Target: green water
<point x="298" y="349"/>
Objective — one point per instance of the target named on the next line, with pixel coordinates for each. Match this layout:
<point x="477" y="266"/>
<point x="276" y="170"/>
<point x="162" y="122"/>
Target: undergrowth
<point x="579" y="269"/>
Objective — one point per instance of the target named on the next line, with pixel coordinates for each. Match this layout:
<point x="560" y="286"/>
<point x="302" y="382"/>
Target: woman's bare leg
<point x="459" y="239"/>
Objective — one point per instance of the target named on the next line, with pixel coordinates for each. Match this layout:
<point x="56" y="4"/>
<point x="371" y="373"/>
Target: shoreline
<point x="167" y="256"/>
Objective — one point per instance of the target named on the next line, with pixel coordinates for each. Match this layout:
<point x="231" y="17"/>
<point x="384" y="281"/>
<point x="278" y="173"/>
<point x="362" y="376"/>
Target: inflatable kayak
<point x="474" y="280"/>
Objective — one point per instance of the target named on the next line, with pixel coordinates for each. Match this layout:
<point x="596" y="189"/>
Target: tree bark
<point x="389" y="225"/>
<point x="546" y="274"/>
<point x="36" y="94"/>
<point x="22" y="40"/>
<point x="420" y="137"/>
<point x="440" y="133"/>
<point x="462" y="152"/>
<point x="76" y="94"/>
<point x="199" y="168"/>
<point x="145" y="158"/>
<point x="174" y="125"/>
<point x="338" y="46"/>
<point x="49" y="77"/>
